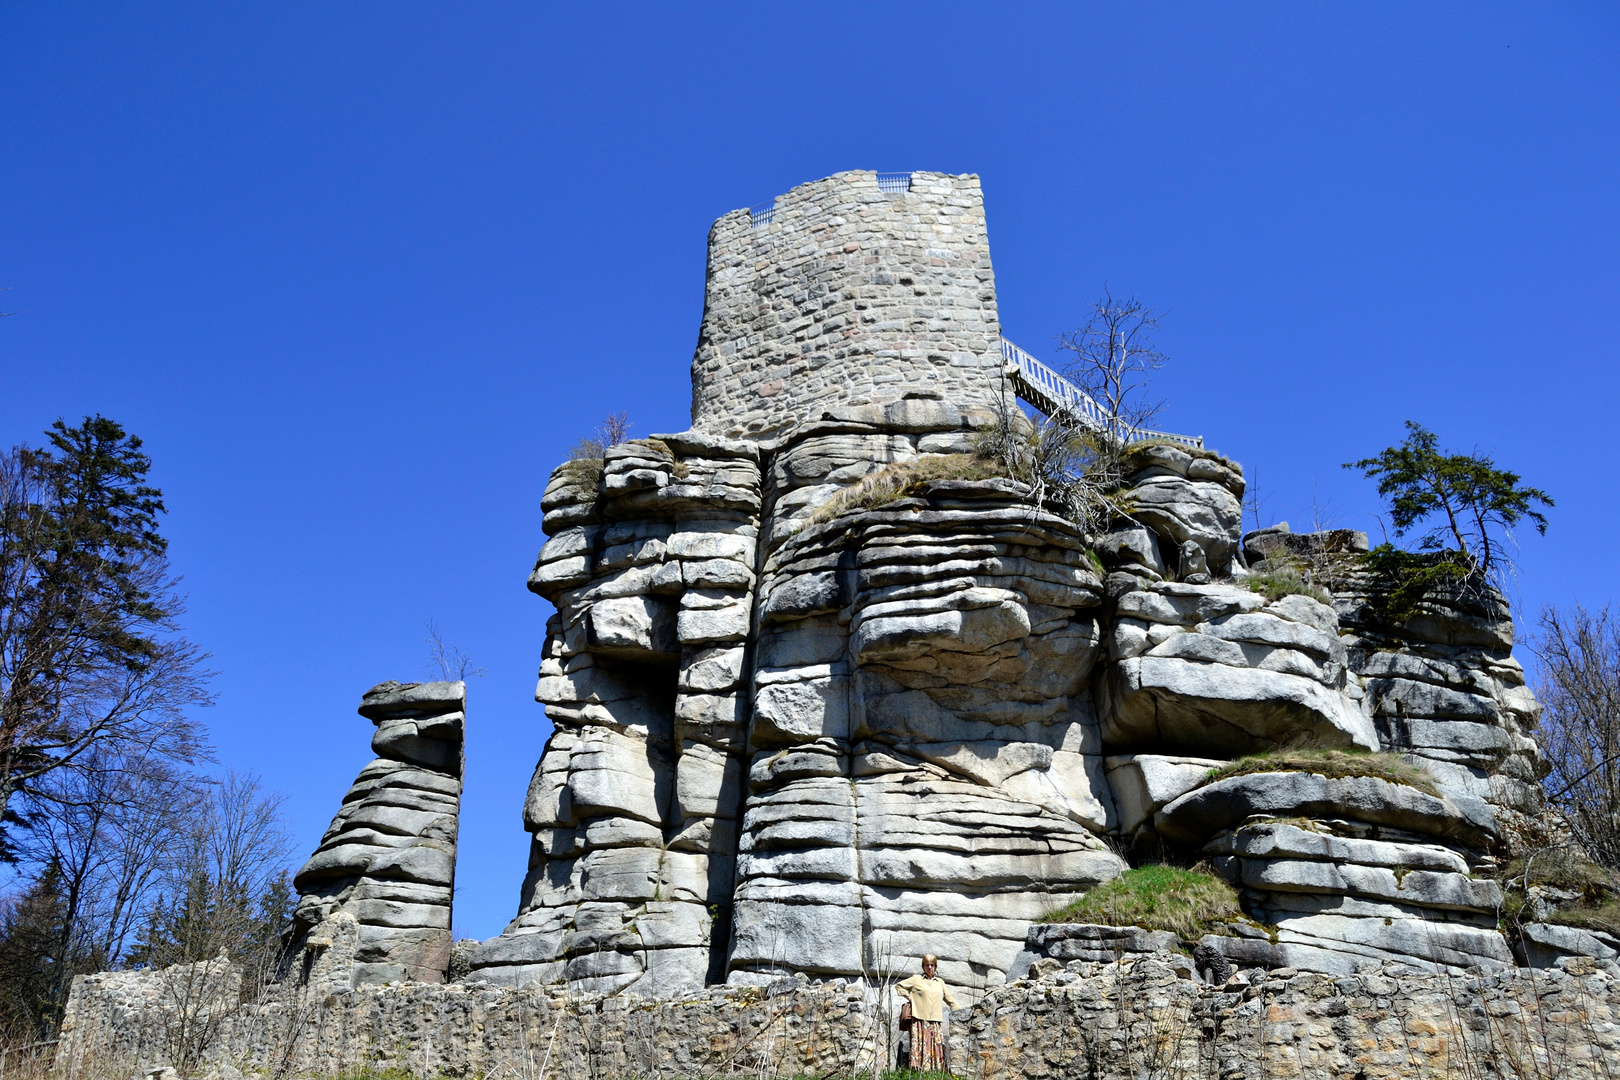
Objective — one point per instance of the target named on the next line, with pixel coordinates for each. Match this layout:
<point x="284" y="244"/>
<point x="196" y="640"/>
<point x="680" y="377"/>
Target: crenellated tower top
<point x="854" y="290"/>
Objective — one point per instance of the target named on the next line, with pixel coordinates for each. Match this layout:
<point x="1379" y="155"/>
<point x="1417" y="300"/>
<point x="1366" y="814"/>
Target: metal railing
<point x="1052" y="394"/>
<point x="888" y="182"/>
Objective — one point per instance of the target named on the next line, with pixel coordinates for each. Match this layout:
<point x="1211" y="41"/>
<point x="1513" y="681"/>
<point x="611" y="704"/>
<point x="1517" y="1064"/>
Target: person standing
<point x="928" y="996"/>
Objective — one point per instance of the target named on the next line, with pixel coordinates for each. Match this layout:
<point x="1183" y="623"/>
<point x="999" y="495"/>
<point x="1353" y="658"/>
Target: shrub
<point x="1188" y="903"/>
<point x="584" y="473"/>
<point x="1332" y="764"/>
<point x="1401" y="580"/>
<point x="904" y="479"/>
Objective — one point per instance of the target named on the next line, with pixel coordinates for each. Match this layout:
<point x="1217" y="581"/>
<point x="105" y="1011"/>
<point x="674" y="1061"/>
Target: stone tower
<point x="847" y="291"/>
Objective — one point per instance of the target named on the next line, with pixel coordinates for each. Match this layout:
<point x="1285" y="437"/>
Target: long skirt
<point x="928" y="1045"/>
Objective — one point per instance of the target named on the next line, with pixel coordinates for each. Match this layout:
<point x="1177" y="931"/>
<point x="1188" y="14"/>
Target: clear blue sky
<point x="359" y="274"/>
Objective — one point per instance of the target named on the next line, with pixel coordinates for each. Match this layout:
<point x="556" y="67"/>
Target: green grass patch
<point x="1284" y="581"/>
<point x="1188" y="903"/>
<point x="1332" y="764"/>
<point x="904" y="479"/>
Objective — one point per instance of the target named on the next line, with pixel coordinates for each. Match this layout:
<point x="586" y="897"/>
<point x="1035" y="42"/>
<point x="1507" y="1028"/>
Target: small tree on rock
<point x="1110" y="355"/>
<point x="1461" y="499"/>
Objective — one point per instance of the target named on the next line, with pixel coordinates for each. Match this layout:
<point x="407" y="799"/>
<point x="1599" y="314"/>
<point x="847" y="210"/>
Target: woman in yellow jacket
<point x="928" y="995"/>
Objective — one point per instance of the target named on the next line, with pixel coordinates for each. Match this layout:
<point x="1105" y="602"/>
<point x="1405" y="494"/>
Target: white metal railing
<point x="889" y="182"/>
<point x="1051" y="393"/>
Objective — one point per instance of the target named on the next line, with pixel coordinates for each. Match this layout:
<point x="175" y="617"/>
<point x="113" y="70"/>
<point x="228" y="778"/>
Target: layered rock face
<point x="926" y="771"/>
<point x="807" y="722"/>
<point x="374" y="900"/>
<point x="634" y="806"/>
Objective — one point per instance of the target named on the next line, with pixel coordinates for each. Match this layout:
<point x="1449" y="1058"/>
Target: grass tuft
<point x="904" y="479"/>
<point x="1285" y="581"/>
<point x="1604" y="917"/>
<point x="1188" y="903"/>
<point x="1332" y="764"/>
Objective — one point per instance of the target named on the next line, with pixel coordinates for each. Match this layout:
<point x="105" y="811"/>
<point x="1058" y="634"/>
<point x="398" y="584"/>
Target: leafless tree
<point x="1071" y="469"/>
<point x="1254" y="503"/>
<point x="611" y="432"/>
<point x="614" y="430"/>
<point x="91" y="659"/>
<point x="447" y="661"/>
<point x="113" y="836"/>
<point x="1579" y="688"/>
<point x="225" y="896"/>
<point x="1110" y="355"/>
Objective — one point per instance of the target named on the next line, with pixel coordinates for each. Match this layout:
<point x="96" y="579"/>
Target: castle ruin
<point x="801" y="733"/>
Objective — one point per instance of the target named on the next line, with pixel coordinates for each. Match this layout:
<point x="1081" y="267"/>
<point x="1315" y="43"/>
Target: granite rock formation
<point x="374" y="898"/>
<point x="796" y="728"/>
<point x="830" y="690"/>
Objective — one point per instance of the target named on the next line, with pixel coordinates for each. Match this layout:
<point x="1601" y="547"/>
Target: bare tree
<point x="1579" y="688"/>
<point x="614" y="430"/>
<point x="1110" y="354"/>
<point x="112" y="837"/>
<point x="226" y="896"/>
<point x="447" y="661"/>
<point x="91" y="658"/>
<point x="1254" y="503"/>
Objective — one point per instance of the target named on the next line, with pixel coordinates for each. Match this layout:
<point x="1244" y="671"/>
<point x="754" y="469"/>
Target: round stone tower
<point x="854" y="290"/>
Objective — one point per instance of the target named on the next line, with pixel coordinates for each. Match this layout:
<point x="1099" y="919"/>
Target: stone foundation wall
<point x="1143" y="1017"/>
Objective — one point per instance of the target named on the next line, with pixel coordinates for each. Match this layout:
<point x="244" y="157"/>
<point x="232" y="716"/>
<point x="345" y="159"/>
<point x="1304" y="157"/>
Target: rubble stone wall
<point x="1143" y="1017"/>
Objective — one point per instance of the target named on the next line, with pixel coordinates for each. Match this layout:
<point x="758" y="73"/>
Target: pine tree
<point x="32" y="925"/>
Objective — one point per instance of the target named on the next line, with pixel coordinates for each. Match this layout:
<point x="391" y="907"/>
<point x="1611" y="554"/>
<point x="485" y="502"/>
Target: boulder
<point x="1142" y="783"/>
<point x="1223" y="804"/>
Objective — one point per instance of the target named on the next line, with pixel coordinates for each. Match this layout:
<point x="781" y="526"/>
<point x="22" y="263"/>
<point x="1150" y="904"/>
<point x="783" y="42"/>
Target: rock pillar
<point x="381" y="880"/>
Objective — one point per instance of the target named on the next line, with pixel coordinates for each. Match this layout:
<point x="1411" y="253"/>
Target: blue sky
<point x="359" y="275"/>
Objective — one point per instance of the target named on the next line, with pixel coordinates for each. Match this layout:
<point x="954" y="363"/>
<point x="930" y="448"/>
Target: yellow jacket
<point x="926" y="996"/>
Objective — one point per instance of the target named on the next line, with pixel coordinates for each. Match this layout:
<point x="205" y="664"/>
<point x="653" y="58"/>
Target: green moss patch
<point x="1188" y="903"/>
<point x="1333" y="764"/>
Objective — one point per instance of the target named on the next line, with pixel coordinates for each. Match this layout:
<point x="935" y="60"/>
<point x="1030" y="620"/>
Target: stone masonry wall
<point x="847" y="296"/>
<point x="1139" y="1018"/>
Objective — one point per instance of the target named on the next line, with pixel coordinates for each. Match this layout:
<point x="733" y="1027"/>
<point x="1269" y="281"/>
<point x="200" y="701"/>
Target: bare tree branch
<point x="1110" y="355"/>
<point x="1579" y="689"/>
<point x="446" y="661"/>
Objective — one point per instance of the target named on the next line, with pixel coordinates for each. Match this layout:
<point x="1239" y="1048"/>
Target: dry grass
<point x="1332" y="764"/>
<point x="1285" y="581"/>
<point x="1188" y="903"/>
<point x="1194" y="452"/>
<point x="904" y="479"/>
<point x="1604" y="917"/>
